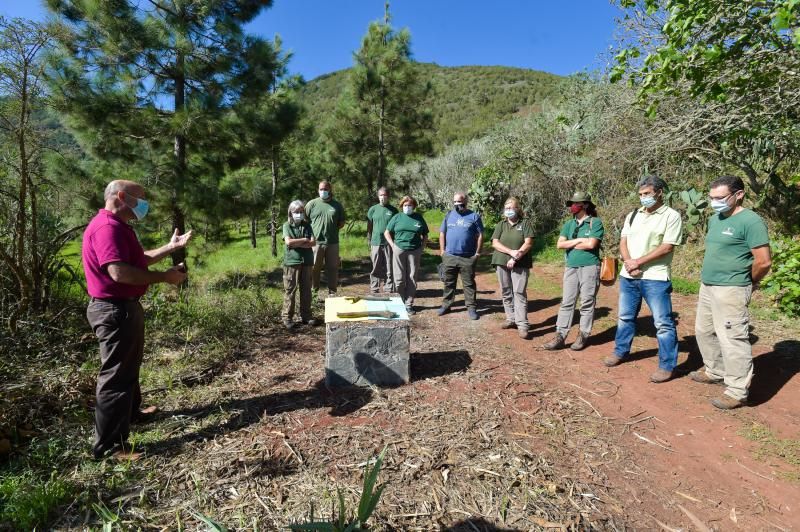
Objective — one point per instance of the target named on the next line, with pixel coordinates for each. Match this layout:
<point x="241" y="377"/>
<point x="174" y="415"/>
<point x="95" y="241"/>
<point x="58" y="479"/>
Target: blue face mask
<point x="720" y="206"/>
<point x="648" y="201"/>
<point x="141" y="208"/>
<point x="324" y="194"/>
<point x="510" y="214"/>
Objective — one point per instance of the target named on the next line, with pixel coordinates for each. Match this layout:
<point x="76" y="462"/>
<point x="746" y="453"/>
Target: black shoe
<point x="289" y="324"/>
<point x="313" y="322"/>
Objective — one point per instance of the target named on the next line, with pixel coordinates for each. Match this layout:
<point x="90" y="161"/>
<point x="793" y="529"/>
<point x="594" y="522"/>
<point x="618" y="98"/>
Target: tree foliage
<point x="161" y="85"/>
<point x="380" y="119"/>
<point x="732" y="67"/>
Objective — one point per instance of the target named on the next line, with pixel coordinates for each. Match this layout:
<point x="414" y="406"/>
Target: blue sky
<point x="554" y="36"/>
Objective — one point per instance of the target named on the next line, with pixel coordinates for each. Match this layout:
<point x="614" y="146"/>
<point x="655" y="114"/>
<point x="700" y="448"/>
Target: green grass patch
<point x="27" y="501"/>
<point x="770" y="446"/>
<point x="685" y="286"/>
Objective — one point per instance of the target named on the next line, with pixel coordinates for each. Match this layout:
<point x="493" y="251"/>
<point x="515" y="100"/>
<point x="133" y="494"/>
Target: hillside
<point x="465" y="101"/>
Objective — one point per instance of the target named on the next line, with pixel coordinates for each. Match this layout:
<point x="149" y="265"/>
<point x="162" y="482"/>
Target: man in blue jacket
<point x="460" y="241"/>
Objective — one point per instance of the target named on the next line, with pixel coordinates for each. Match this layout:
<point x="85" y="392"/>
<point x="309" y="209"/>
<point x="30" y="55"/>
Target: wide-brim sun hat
<point x="580" y="197"/>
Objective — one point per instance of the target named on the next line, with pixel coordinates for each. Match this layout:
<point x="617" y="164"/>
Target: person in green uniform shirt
<point x="407" y="234"/>
<point x="512" y="241"/>
<point x="327" y="217"/>
<point x="298" y="260"/>
<point x="580" y="238"/>
<point x="378" y="217"/>
<point x="737" y="257"/>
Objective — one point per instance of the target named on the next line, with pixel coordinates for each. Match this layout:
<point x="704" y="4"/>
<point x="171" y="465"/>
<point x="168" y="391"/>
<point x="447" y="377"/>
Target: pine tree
<point x="380" y="119"/>
<point x="160" y="85"/>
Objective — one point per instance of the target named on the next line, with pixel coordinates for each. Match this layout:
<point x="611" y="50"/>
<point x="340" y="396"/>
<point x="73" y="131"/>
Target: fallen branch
<point x="654" y="443"/>
<point x="754" y="472"/>
<point x="695" y="520"/>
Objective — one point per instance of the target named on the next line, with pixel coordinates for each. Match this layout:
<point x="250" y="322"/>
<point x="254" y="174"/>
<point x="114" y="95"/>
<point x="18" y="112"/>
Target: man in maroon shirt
<point x="117" y="275"/>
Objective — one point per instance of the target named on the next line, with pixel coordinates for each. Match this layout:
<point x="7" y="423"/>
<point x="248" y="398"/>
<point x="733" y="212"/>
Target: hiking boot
<point x="508" y="325"/>
<point x="612" y="361"/>
<point x="660" y="375"/>
<point x="704" y="378"/>
<point x="523" y="333"/>
<point x="473" y="314"/>
<point x="313" y="322"/>
<point x="555" y="344"/>
<point x="726" y="402"/>
<point x="442" y="310"/>
<point x="289" y="324"/>
<point x="580" y="342"/>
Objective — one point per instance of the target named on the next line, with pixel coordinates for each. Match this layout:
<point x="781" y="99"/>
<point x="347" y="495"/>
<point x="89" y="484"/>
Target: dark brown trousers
<point x="119" y="326"/>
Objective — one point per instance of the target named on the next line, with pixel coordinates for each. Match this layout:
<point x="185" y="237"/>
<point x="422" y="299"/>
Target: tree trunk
<point x="178" y="217"/>
<point x="21" y="222"/>
<point x="253" y="230"/>
<point x="381" y="147"/>
<point x="273" y="214"/>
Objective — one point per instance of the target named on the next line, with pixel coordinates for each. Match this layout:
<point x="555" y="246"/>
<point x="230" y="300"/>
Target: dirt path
<point x="490" y="435"/>
<point x="687" y="457"/>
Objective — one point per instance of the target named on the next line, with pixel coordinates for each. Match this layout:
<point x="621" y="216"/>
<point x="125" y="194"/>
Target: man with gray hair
<point x="460" y="241"/>
<point x="117" y="275"/>
<point x="378" y="217"/>
<point x="647" y="243"/>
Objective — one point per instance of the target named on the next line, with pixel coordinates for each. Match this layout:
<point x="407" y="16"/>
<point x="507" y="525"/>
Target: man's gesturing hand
<point x="174" y="275"/>
<point x="179" y="241"/>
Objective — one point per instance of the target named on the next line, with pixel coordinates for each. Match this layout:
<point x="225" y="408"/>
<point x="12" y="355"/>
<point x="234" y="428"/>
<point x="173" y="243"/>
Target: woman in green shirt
<point x="407" y="234"/>
<point x="298" y="260"/>
<point x="580" y="238"/>
<point x="512" y="241"/>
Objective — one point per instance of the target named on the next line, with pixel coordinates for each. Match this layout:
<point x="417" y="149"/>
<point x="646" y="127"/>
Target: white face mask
<point x="298" y="216"/>
<point x="408" y="209"/>
<point x="383" y="199"/>
<point x="511" y="213"/>
<point x="324" y="194"/>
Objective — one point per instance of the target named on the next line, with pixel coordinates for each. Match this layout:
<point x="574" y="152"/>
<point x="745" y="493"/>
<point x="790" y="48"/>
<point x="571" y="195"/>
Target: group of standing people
<point x="737" y="257"/>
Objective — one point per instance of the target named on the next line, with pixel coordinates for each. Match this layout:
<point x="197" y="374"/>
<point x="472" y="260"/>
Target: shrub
<point x="783" y="284"/>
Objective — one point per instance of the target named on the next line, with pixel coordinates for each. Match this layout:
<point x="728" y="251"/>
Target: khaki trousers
<point x="406" y="270"/>
<point x="514" y="288"/>
<point x="296" y="278"/>
<point x="381" y="269"/>
<point x="327" y="255"/>
<point x="722" y="329"/>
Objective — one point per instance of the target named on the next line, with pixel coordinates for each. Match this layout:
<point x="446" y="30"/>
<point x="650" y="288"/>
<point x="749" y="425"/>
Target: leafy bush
<point x="784" y="281"/>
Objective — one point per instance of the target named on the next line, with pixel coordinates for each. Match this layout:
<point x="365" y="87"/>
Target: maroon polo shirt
<point x="109" y="239"/>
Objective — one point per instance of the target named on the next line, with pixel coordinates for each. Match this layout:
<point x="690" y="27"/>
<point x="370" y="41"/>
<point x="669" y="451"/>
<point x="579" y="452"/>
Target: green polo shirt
<point x="512" y="237"/>
<point x="297" y="256"/>
<point x="407" y="231"/>
<point x="729" y="260"/>
<point x="325" y="218"/>
<point x="589" y="228"/>
<point x="380" y="215"/>
<point x="650" y="230"/>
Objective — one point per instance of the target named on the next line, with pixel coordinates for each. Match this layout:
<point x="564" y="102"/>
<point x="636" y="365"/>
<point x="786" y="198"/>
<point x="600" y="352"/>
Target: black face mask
<point x="460" y="208"/>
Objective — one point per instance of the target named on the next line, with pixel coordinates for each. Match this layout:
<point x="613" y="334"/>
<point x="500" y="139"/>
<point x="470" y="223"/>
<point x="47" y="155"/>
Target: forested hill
<point x="466" y="101"/>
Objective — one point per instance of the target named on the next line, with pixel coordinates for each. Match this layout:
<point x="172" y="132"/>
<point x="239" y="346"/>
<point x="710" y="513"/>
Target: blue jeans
<point x="657" y="296"/>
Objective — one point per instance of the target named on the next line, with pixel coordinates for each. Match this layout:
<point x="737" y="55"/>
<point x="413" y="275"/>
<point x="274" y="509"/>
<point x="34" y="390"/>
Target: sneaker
<point x="442" y="310"/>
<point x="612" y="361"/>
<point x="289" y="324"/>
<point x="660" y="375"/>
<point x="726" y="402"/>
<point x="555" y="344"/>
<point x="580" y="342"/>
<point x="508" y="325"/>
<point x="704" y="378"/>
<point x="473" y="314"/>
<point x="313" y="322"/>
<point x="523" y="333"/>
<point x="410" y="311"/>
<point x="331" y="293"/>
